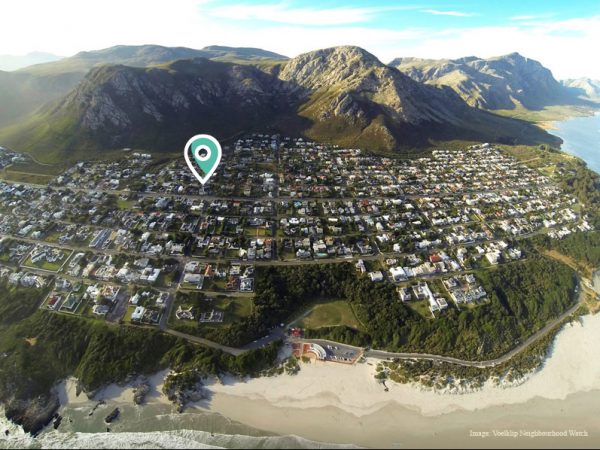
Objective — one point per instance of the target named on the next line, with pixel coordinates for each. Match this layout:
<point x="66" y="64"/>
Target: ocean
<point x="581" y="136"/>
<point x="149" y="426"/>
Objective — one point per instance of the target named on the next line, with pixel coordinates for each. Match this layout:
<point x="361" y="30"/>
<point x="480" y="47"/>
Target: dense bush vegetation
<point x="523" y="297"/>
<point x="582" y="247"/>
<point x="45" y="348"/>
<point x="282" y="292"/>
<point x="585" y="185"/>
<point x="17" y="303"/>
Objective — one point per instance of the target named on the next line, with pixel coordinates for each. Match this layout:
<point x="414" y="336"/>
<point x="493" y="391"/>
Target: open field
<point x="24" y="177"/>
<point x="32" y="172"/>
<point x="330" y="314"/>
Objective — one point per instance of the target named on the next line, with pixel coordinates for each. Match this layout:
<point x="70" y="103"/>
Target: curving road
<point x="381" y="354"/>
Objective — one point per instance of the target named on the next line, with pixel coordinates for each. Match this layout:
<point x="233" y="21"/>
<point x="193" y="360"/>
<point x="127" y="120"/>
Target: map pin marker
<point x="205" y="152"/>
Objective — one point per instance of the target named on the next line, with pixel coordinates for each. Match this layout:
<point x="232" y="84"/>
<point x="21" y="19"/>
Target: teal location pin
<point x="205" y="153"/>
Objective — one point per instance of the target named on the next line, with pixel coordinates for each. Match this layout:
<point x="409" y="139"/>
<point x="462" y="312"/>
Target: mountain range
<point x="500" y="83"/>
<point x="154" y="97"/>
<point x="25" y="90"/>
<point x="584" y="87"/>
<point x="15" y="62"/>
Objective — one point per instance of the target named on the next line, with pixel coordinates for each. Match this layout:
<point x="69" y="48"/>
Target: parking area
<point x="327" y="351"/>
<point x="342" y="353"/>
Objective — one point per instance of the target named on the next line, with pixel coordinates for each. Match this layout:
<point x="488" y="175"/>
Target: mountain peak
<point x="341" y="51"/>
<point x="329" y="66"/>
<point x="240" y="52"/>
<point x="515" y="55"/>
<point x="343" y="95"/>
<point x="501" y="82"/>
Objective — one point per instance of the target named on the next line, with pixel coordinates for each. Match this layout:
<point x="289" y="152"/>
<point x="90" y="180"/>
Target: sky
<point x="563" y="35"/>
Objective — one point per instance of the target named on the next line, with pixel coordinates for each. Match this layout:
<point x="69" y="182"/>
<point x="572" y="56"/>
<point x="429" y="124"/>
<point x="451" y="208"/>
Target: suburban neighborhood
<point x="139" y="241"/>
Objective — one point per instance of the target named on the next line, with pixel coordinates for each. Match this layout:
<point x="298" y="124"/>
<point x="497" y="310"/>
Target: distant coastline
<point x="581" y="138"/>
<point x="323" y="398"/>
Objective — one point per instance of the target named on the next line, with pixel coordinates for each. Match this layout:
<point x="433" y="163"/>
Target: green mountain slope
<point x="344" y="95"/>
<point x="354" y="99"/>
<point x="502" y="83"/>
<point x="155" y="108"/>
<point x="24" y="91"/>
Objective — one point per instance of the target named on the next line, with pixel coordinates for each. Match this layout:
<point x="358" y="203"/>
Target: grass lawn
<point x="421" y="307"/>
<point x="130" y="310"/>
<point x="53" y="236"/>
<point x="235" y="308"/>
<point x="31" y="172"/>
<point x="217" y="284"/>
<point x="256" y="232"/>
<point x="330" y="314"/>
<point x="47" y="265"/>
<point x="125" y="204"/>
<point x="166" y="279"/>
<point x="31" y="166"/>
<point x="190" y="286"/>
<point x="4" y="257"/>
<point x="25" y="177"/>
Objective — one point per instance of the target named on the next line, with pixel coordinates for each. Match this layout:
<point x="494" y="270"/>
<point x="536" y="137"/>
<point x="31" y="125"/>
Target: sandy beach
<point x="354" y="389"/>
<point x="340" y="404"/>
<point x="67" y="392"/>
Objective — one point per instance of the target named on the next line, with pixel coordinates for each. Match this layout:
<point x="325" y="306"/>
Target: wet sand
<point x="395" y="426"/>
<point x="339" y="404"/>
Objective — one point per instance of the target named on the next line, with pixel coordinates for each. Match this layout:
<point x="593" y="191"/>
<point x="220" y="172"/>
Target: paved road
<point x="278" y="333"/>
<point x="380" y="354"/>
<point x="250" y="199"/>
<point x="205" y="342"/>
<point x="487" y="363"/>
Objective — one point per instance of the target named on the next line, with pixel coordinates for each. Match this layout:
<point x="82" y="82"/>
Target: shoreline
<point x="335" y="403"/>
<point x="355" y="390"/>
<point x="577" y="143"/>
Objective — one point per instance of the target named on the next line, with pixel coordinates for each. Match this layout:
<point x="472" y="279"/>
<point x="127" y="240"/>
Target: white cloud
<point x="65" y="27"/>
<point x="282" y="13"/>
<point x="437" y="12"/>
<point x="285" y="14"/>
<point x="567" y="47"/>
<point x="531" y="17"/>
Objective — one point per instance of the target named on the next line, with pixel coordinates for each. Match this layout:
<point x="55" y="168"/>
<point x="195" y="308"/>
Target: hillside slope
<point x="584" y="87"/>
<point x="343" y="95"/>
<point x="354" y="99"/>
<point x="24" y="91"/>
<point x="500" y="83"/>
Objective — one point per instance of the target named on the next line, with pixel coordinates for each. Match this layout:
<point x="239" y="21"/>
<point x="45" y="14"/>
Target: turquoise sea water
<point x="581" y="136"/>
